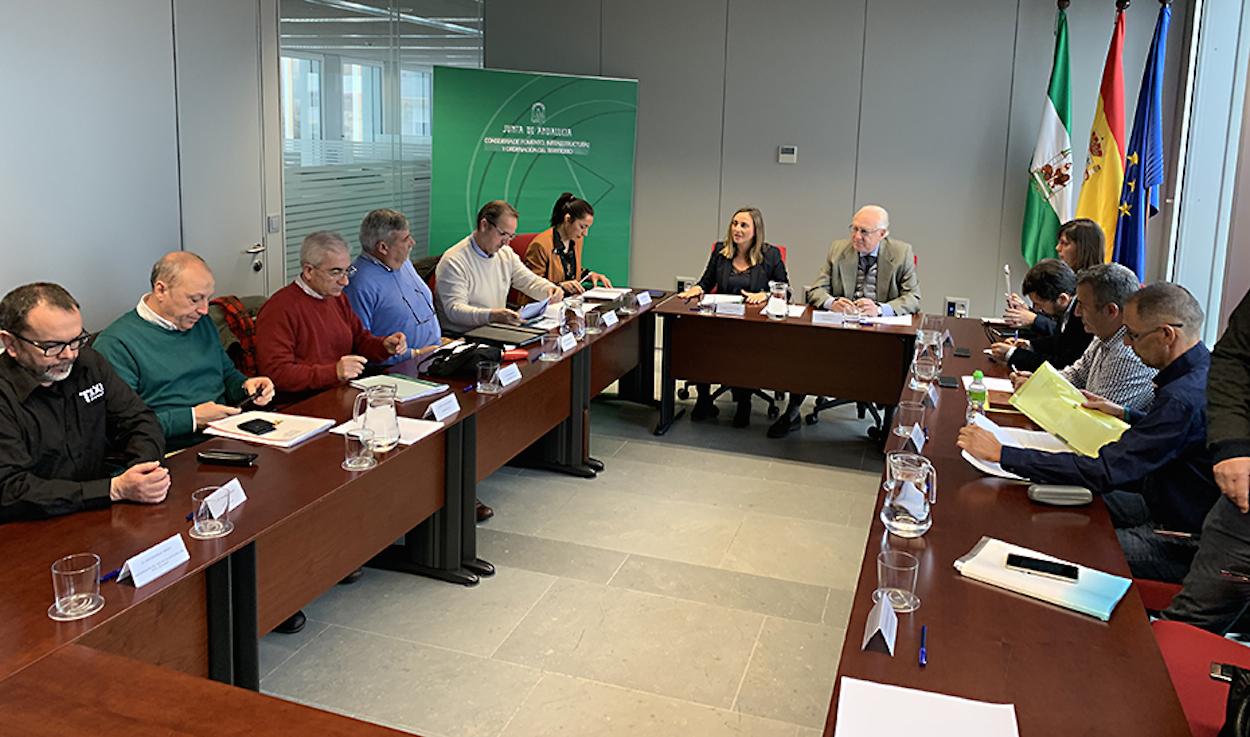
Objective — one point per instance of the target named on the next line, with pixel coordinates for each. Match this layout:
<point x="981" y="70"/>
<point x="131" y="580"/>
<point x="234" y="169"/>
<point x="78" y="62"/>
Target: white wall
<point x="930" y="109"/>
<point x="89" y="180"/>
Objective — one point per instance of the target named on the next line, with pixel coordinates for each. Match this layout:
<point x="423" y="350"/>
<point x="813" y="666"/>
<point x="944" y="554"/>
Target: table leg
<point x="433" y="548"/>
<point x="468" y="514"/>
<point x="245" y="609"/>
<point x="220" y="622"/>
<point x="638" y="384"/>
<point x="668" y="384"/>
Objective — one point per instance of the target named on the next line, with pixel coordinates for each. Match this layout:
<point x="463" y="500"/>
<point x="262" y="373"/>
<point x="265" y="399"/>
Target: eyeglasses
<point x="855" y="229"/>
<point x="504" y="235"/>
<point x="337" y="274"/>
<point x="1134" y="337"/>
<point x="56" y="347"/>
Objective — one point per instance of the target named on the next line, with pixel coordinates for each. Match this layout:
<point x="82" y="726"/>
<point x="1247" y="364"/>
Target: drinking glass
<point x="75" y="587"/>
<point x="924" y="370"/>
<point x="909" y="414"/>
<point x="488" y="377"/>
<point x="550" y="350"/>
<point x="358" y="449"/>
<point x="629" y="304"/>
<point x="204" y="525"/>
<point x="897" y="572"/>
<point x="594" y="323"/>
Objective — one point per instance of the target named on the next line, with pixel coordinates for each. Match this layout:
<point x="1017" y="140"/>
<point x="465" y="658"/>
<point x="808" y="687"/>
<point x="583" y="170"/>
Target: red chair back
<point x="520" y="243"/>
<point x="1188" y="653"/>
<point x="1156" y="595"/>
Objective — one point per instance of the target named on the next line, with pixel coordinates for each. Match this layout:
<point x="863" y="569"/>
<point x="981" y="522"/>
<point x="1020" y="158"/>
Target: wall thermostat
<point x="787" y="154"/>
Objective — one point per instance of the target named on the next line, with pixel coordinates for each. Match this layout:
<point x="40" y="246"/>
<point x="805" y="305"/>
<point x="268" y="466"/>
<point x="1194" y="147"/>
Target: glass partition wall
<point x="356" y="95"/>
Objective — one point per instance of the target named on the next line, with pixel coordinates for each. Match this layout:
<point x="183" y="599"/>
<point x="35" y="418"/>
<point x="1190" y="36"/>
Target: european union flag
<point x="1143" y="165"/>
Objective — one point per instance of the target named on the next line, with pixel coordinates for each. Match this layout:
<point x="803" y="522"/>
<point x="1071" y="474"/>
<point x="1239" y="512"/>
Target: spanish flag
<point x="1104" y="164"/>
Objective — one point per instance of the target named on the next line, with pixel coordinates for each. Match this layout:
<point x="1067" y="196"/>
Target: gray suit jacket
<point x="897" y="284"/>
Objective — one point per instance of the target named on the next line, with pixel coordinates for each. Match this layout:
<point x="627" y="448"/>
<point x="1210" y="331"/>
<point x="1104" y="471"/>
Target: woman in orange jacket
<point x="556" y="253"/>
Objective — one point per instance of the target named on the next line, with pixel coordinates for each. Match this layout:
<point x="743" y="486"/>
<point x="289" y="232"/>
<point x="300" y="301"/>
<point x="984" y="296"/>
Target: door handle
<point x="255" y="250"/>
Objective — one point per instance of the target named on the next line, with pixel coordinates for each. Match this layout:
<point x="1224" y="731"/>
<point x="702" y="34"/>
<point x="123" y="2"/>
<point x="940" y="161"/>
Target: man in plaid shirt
<point x="1109" y="367"/>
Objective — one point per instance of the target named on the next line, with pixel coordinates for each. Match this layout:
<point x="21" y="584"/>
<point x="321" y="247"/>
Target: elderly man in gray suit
<point x="868" y="274"/>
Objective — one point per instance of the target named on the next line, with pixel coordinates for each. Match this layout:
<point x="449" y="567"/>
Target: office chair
<point x="771" y="399"/>
<point x="520" y="244"/>
<point x="1188" y="653"/>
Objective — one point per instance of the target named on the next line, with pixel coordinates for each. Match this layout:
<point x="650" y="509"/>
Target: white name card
<point x="610" y="318"/>
<point x="882" y="626"/>
<point x="444" y="408"/>
<point x="825" y="317"/>
<point x="932" y="396"/>
<point x="947" y="338"/>
<point x="226" y="498"/>
<point x="726" y="308"/>
<point x="568" y="342"/>
<point x="644" y="298"/>
<point x="155" y="562"/>
<point x="508" y="375"/>
<point x="917" y="438"/>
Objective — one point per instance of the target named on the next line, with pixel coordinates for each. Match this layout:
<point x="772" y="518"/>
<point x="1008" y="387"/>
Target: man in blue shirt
<point x="385" y="292"/>
<point x="1158" y="474"/>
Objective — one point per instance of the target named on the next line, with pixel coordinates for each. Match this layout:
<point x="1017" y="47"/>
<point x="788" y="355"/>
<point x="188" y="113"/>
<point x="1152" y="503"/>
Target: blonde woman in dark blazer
<point x="556" y="253"/>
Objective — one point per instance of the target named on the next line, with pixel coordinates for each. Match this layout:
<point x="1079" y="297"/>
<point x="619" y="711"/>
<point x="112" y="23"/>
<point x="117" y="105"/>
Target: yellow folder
<point x="1054" y="404"/>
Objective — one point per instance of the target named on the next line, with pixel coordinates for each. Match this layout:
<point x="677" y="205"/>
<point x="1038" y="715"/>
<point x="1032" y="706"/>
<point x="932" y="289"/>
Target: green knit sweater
<point x="172" y="370"/>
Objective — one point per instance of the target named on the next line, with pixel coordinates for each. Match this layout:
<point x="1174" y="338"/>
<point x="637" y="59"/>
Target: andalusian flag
<point x="1048" y="203"/>
<point x="1104" y="166"/>
<point x="1140" y="199"/>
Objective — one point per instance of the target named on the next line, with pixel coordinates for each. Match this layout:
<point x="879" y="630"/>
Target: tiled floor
<point x="699" y="586"/>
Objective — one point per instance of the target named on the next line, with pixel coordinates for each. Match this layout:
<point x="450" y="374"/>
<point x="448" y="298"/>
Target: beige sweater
<point x="470" y="286"/>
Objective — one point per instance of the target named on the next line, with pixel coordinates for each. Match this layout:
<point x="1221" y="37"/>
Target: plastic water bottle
<point x="978" y="396"/>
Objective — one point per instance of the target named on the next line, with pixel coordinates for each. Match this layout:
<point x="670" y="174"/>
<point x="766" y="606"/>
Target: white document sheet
<point x="722" y="299"/>
<point x="867" y="709"/>
<point x="900" y="320"/>
<point x="410" y="429"/>
<point x="1015" y="438"/>
<point x="993" y="384"/>
<point x="605" y="293"/>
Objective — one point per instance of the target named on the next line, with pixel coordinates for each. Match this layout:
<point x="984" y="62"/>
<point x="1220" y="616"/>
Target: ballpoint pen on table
<point x="110" y="575"/>
<point x="924" y="636"/>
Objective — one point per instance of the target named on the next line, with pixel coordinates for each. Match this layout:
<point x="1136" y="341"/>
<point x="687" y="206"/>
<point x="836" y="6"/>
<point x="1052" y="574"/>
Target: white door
<point x="217" y="51"/>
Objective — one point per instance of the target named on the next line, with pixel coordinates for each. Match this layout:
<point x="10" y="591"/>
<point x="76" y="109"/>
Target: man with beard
<point x="62" y="411"/>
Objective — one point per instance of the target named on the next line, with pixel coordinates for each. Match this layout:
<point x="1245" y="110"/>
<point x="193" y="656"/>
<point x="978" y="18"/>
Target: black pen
<point x="924" y="636"/>
<point x="249" y="399"/>
<point x="110" y="575"/>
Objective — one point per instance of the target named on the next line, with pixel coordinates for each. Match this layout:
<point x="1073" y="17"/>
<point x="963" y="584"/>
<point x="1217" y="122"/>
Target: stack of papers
<point x="900" y="320"/>
<point x="1054" y="404"/>
<point x="992" y="384"/>
<point x="406" y="387"/>
<point x="605" y="293"/>
<point x="1011" y="437"/>
<point x="867" y="709"/>
<point x="722" y="299"/>
<point x="1094" y="593"/>
<point x="291" y="429"/>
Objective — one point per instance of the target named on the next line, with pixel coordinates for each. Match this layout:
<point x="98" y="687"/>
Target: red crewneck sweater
<point x="299" y="339"/>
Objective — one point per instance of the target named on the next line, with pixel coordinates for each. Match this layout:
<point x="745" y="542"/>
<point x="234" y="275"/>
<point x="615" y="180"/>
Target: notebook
<point x="1094" y="593"/>
<point x="291" y="429"/>
<point x="406" y="387"/>
<point x="505" y="334"/>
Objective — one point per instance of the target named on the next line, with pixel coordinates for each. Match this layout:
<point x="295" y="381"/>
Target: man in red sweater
<point x="307" y="337"/>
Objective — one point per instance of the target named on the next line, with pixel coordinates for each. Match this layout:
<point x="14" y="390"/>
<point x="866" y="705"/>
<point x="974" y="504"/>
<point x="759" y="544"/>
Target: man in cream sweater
<point x="473" y="276"/>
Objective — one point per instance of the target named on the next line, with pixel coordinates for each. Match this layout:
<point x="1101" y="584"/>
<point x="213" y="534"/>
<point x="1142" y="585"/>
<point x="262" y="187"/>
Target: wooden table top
<point x="675" y="306"/>
<point x="1066" y="673"/>
<point x="80" y="691"/>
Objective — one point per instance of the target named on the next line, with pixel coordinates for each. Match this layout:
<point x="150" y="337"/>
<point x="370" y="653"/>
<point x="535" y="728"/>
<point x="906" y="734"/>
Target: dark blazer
<point x="1061" y="348"/>
<point x="719" y="269"/>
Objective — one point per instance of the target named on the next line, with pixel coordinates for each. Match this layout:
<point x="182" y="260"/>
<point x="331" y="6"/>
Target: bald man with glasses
<point x="63" y="410"/>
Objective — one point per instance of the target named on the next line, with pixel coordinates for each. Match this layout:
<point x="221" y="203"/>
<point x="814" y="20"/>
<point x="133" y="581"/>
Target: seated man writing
<point x="62" y="411"/>
<point x="1109" y="367"/>
<point x="473" y="276"/>
<point x="166" y="352"/>
<point x="868" y="273"/>
<point x="1051" y="286"/>
<point x="1158" y="474"/>
<point x="307" y="337"/>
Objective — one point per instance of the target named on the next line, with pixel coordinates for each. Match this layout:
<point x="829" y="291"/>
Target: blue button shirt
<point x="1163" y="455"/>
<point x="396" y="301"/>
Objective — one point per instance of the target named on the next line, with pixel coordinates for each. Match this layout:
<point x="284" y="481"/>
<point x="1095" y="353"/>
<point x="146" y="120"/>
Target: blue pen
<point x="110" y="575"/>
<point x="924" y="636"/>
<point x="469" y="388"/>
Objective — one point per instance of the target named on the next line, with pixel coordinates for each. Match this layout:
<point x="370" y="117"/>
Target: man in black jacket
<point x="1216" y="592"/>
<point x="62" y="410"/>
<point x="1051" y="286"/>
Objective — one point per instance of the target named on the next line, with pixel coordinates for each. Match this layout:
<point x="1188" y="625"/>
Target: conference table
<point x="854" y="363"/>
<point x="1066" y="673"/>
<point x="306" y="524"/>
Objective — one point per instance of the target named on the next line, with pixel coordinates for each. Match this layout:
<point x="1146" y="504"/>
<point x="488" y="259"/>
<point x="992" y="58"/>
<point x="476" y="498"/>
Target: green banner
<point x="526" y="138"/>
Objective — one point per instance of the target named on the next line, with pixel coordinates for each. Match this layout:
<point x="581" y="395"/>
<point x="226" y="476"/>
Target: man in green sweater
<point x="172" y="358"/>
